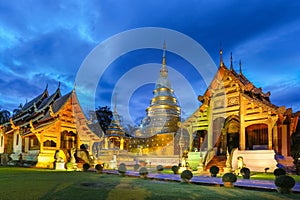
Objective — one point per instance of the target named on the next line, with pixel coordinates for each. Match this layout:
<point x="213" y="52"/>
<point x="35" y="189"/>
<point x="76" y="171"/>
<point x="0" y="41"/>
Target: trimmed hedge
<point x="143" y="171"/>
<point x="175" y="169"/>
<point x="85" y="167"/>
<point x="186" y="175"/>
<point x="229" y="177"/>
<point x="279" y="172"/>
<point x="284" y="183"/>
<point x="159" y="168"/>
<point x="214" y="170"/>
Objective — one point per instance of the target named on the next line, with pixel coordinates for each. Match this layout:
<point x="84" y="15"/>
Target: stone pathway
<point x="206" y="180"/>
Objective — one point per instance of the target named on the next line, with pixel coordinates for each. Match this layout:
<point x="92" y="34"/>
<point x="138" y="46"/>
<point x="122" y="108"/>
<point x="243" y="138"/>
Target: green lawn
<point x="30" y="183"/>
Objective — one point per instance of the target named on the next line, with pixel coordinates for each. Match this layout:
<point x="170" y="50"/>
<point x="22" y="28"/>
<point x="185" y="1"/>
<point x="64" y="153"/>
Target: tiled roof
<point x="50" y="99"/>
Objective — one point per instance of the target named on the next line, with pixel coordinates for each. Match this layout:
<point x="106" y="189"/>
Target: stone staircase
<point x="286" y="162"/>
<point x="219" y="161"/>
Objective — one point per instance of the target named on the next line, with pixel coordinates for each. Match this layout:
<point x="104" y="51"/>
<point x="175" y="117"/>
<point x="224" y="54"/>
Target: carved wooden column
<point x="242" y="125"/>
<point x="270" y="138"/>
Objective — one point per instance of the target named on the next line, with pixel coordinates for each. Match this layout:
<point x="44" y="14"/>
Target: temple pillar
<point x="284" y="140"/>
<point x="270" y="138"/>
<point x="210" y="128"/>
<point x="121" y="143"/>
<point x="26" y="148"/>
<point x="41" y="142"/>
<point x="275" y="136"/>
<point x="242" y="125"/>
<point x="105" y="143"/>
<point x="242" y="138"/>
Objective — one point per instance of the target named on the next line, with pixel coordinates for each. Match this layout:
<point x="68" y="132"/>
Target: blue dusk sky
<point x="47" y="42"/>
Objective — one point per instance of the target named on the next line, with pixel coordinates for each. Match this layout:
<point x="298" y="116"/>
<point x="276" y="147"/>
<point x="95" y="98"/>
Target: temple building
<point x="160" y="125"/>
<point x="237" y="119"/>
<point x="115" y="135"/>
<point x="45" y="126"/>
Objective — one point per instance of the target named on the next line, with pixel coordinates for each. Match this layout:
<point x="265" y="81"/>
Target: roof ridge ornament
<point x="240" y="63"/>
<point x="221" y="57"/>
<point x="231" y="65"/>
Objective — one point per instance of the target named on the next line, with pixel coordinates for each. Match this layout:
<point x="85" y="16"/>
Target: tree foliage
<point x="4" y="116"/>
<point x="104" y="117"/>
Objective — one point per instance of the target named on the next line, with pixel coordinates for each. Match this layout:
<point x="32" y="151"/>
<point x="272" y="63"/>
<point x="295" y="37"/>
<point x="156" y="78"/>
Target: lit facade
<point x="45" y="125"/>
<point x="238" y="118"/>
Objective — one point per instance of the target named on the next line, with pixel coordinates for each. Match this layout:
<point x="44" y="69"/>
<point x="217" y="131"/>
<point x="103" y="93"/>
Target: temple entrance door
<point x="199" y="137"/>
<point x="232" y="141"/>
<point x="218" y="137"/>
<point x="231" y="134"/>
<point x="68" y="140"/>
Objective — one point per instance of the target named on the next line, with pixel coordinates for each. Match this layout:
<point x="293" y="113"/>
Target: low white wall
<point x="256" y="160"/>
<point x="160" y="160"/>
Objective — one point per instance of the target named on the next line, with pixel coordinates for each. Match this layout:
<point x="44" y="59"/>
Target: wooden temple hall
<point x="46" y="127"/>
<point x="237" y="119"/>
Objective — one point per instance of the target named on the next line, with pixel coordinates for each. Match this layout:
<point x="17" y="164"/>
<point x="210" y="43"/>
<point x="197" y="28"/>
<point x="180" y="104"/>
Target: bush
<point x="229" y="177"/>
<point x="136" y="167"/>
<point x="284" y="183"/>
<point x="186" y="175"/>
<point x="159" y="168"/>
<point x="245" y="172"/>
<point x="175" y="169"/>
<point x="99" y="167"/>
<point x="86" y="166"/>
<point x="279" y="171"/>
<point x="69" y="166"/>
<point x="122" y="169"/>
<point x="143" y="172"/>
<point x="214" y="170"/>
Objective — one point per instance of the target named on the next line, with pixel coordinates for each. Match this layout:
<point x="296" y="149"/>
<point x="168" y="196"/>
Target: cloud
<point x="46" y="41"/>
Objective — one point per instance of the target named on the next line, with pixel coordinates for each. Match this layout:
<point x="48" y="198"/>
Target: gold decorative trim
<point x="52" y="114"/>
<point x="13" y="124"/>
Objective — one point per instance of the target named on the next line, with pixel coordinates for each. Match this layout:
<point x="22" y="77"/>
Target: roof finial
<point x="58" y="84"/>
<point x="221" y="57"/>
<point x="115" y="102"/>
<point x="74" y="86"/>
<point x="231" y="65"/>
<point x="164" y="54"/>
<point x="164" y="70"/>
<point x="240" y="67"/>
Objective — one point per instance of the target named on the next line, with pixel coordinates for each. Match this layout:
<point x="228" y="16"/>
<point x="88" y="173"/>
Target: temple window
<point x="17" y="139"/>
<point x="34" y="143"/>
<point x="257" y="136"/>
<point x="49" y="143"/>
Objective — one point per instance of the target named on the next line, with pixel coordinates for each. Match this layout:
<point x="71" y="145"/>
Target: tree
<point x="104" y="117"/>
<point x="4" y="116"/>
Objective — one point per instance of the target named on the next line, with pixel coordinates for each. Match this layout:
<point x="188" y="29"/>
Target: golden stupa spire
<point x="164" y="54"/>
<point x="164" y="70"/>
<point x="115" y="103"/>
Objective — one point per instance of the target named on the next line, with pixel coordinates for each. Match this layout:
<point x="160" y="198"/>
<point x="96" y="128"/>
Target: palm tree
<point x="4" y="116"/>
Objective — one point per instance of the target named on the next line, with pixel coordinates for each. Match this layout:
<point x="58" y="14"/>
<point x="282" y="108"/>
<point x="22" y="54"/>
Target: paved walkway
<point x="206" y="180"/>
